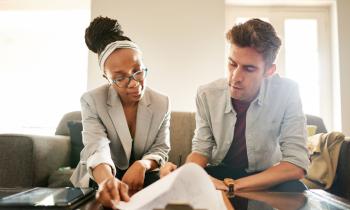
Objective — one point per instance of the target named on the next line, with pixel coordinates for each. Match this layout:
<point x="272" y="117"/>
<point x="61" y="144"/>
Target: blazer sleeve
<point x="96" y="144"/>
<point x="161" y="146"/>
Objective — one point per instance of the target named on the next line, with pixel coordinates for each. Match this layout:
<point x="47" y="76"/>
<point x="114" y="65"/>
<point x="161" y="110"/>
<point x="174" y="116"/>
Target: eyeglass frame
<point x="114" y="81"/>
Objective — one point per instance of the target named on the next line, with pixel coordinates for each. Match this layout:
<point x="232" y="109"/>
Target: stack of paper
<point x="188" y="184"/>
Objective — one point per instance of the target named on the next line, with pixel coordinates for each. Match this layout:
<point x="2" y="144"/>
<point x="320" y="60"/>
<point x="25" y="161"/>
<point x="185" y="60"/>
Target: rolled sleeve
<point x="293" y="132"/>
<point x="202" y="141"/>
<point x="96" y="144"/>
<point x="99" y="158"/>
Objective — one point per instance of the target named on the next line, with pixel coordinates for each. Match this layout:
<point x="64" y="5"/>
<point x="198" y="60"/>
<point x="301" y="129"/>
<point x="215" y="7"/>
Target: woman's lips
<point x="134" y="93"/>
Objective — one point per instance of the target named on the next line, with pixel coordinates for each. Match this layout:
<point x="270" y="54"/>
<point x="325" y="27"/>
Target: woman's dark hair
<point x="101" y="32"/>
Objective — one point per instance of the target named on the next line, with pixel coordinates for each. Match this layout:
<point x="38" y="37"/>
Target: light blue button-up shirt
<point x="275" y="124"/>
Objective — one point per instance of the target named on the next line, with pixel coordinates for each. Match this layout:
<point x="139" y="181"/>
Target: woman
<point x="125" y="124"/>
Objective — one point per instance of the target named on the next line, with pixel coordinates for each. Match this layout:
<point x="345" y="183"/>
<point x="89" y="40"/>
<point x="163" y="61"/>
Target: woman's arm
<point x="101" y="172"/>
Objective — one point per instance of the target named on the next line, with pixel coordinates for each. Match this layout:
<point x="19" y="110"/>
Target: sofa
<point x="36" y="160"/>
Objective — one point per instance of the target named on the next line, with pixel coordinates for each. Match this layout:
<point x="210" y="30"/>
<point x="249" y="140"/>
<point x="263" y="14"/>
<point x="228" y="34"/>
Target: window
<point x="301" y="60"/>
<point x="304" y="55"/>
<point x="43" y="67"/>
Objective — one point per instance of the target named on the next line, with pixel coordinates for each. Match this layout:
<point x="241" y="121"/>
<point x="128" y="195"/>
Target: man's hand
<point x="167" y="169"/>
<point x="135" y="177"/>
<point x="219" y="185"/>
<point x="111" y="191"/>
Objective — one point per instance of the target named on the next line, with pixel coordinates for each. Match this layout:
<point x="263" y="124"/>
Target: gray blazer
<point x="106" y="135"/>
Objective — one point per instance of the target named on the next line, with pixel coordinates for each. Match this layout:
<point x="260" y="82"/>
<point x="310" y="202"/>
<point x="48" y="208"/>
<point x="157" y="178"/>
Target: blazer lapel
<point x="116" y="113"/>
<point x="143" y="122"/>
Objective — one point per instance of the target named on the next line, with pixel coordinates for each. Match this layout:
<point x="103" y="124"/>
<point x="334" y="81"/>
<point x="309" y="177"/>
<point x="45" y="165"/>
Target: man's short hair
<point x="256" y="34"/>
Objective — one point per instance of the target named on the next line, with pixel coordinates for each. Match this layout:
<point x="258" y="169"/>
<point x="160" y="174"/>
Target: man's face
<point x="246" y="71"/>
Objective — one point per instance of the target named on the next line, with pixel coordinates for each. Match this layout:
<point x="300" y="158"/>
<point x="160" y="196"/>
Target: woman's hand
<point x="135" y="177"/>
<point x="167" y="169"/>
<point x="111" y="191"/>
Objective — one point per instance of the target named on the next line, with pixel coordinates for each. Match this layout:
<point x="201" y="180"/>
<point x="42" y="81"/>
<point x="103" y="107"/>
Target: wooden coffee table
<point x="311" y="199"/>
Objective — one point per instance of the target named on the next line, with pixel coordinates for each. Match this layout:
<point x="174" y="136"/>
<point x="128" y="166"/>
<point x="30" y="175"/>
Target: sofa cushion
<point x="60" y="178"/>
<point x="75" y="128"/>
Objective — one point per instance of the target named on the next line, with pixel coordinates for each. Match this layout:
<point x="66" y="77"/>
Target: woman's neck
<point x="129" y="104"/>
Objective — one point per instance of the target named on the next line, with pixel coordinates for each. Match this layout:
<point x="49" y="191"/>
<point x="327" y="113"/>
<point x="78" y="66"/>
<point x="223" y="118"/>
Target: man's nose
<point x="237" y="75"/>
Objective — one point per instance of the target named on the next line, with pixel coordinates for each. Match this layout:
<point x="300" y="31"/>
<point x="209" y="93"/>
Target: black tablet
<point x="47" y="197"/>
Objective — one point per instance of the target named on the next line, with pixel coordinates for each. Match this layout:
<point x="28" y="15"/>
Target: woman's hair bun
<point x="101" y="32"/>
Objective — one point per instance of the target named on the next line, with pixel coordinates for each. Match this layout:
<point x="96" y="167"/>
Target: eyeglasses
<point x="123" y="82"/>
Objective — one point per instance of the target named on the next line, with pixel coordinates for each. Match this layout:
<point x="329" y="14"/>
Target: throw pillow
<point x="75" y="128"/>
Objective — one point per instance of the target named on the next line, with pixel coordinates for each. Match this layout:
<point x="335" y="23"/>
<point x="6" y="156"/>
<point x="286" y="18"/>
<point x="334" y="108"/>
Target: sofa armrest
<point x="16" y="161"/>
<point x="28" y="160"/>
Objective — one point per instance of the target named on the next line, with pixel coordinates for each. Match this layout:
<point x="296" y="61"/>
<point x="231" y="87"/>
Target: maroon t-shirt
<point x="236" y="156"/>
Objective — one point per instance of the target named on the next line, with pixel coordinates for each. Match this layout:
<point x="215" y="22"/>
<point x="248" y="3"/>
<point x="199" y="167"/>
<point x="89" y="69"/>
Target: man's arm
<point x="195" y="157"/>
<point x="277" y="174"/>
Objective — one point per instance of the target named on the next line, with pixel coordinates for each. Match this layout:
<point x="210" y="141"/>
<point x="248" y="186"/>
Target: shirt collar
<point x="261" y="96"/>
<point x="259" y="100"/>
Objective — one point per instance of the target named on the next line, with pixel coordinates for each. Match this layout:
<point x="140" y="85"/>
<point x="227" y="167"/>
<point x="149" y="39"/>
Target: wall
<point x="183" y="43"/>
<point x="343" y="7"/>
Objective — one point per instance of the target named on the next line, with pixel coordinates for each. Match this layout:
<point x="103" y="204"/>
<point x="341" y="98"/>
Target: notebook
<point x="48" y="197"/>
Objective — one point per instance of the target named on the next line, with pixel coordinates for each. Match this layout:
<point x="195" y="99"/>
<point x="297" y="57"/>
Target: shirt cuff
<point x="97" y="159"/>
<point x="160" y="161"/>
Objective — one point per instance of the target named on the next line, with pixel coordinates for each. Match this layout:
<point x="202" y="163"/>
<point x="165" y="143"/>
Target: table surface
<point x="311" y="199"/>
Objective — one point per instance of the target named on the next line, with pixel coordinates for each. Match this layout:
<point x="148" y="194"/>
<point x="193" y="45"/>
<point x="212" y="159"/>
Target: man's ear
<point x="270" y="71"/>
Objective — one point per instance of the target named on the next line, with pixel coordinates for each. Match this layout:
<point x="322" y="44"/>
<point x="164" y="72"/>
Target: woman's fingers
<point x="167" y="169"/>
<point x="112" y="191"/>
<point x="104" y="198"/>
<point x="124" y="192"/>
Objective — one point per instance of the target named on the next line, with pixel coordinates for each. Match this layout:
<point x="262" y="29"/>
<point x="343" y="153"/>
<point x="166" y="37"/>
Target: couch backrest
<point x="62" y="128"/>
<point x="315" y="120"/>
<point x="182" y="126"/>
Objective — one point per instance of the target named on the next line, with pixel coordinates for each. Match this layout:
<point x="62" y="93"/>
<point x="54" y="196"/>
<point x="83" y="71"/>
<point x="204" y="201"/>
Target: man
<point x="250" y="126"/>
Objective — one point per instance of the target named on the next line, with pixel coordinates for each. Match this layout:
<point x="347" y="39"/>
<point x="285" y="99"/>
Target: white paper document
<point x="188" y="184"/>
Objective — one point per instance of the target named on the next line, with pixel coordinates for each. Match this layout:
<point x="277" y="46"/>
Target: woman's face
<point x="123" y="63"/>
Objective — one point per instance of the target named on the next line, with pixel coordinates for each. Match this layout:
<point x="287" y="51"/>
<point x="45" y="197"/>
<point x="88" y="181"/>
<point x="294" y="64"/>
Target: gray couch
<point x="32" y="160"/>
